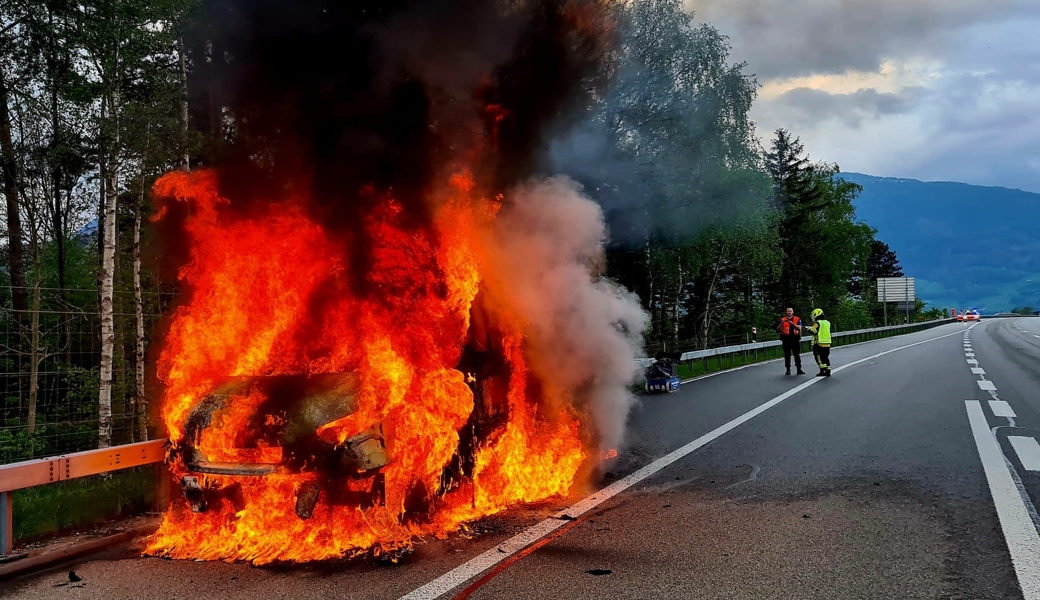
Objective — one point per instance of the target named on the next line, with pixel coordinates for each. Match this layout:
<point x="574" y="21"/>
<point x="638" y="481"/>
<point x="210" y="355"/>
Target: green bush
<point x="17" y="445"/>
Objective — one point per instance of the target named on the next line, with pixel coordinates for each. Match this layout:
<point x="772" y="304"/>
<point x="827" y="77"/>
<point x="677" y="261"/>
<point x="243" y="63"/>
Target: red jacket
<point x="787" y="326"/>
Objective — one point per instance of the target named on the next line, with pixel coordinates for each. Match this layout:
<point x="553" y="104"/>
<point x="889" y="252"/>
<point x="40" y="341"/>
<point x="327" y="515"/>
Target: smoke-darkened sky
<point x="926" y="89"/>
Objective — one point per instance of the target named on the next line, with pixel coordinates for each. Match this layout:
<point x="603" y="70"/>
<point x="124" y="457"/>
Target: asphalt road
<point x="869" y="484"/>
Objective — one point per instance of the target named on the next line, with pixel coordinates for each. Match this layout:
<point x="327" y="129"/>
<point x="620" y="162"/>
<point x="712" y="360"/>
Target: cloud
<point x="805" y="107"/>
<point x="794" y="38"/>
<point x="926" y="89"/>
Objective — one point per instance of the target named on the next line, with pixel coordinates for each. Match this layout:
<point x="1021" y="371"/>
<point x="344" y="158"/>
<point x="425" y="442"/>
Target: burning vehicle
<point x="299" y="410"/>
<point x="390" y="324"/>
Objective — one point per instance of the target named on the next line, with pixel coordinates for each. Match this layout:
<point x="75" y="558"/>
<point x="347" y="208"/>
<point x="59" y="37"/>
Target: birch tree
<point x="127" y="43"/>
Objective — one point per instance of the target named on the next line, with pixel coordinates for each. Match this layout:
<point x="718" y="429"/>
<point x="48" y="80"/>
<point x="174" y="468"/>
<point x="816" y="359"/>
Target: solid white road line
<point x="978" y="371"/>
<point x="470" y="569"/>
<point x="1001" y="409"/>
<point x="1022" y="540"/>
<point x="986" y="385"/>
<point x="1028" y="451"/>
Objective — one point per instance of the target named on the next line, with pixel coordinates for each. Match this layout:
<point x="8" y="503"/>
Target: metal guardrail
<point x="853" y="336"/>
<point x="31" y="473"/>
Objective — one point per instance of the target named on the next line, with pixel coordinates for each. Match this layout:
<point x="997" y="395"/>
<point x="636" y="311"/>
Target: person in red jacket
<point x="790" y="330"/>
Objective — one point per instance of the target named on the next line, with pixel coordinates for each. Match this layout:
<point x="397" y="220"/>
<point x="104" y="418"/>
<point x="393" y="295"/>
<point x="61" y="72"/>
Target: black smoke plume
<point x="333" y="96"/>
<point x="324" y="99"/>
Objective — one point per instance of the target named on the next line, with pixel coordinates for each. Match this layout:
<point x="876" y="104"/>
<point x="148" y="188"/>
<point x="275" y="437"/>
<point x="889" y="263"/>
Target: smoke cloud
<point x="669" y="147"/>
<point x="582" y="332"/>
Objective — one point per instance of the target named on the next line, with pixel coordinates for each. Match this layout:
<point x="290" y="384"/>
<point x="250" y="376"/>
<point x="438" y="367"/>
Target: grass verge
<point x="46" y="509"/>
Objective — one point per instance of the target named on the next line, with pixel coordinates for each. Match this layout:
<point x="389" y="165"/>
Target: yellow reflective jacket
<point x="821" y="331"/>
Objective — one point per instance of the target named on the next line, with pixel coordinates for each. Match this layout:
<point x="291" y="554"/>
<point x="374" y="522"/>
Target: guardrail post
<point x="6" y="523"/>
<point x="162" y="490"/>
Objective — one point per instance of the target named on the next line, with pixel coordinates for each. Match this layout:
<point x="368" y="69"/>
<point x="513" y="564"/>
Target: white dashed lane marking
<point x="986" y="385"/>
<point x="978" y="371"/>
<point x="1028" y="451"/>
<point x="1001" y="409"/>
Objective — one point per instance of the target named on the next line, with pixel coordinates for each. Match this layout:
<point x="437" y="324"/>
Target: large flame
<point x="270" y="295"/>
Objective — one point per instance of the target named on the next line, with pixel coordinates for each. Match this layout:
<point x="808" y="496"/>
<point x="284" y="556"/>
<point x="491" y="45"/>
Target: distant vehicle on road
<point x="969" y="315"/>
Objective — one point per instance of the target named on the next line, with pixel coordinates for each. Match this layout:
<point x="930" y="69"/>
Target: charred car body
<point x="287" y="422"/>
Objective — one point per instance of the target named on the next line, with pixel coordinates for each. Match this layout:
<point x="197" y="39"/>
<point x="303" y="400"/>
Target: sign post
<point x="899" y="290"/>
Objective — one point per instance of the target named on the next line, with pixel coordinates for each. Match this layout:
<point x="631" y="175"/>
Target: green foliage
<point x="17" y="445"/>
<point x="935" y="313"/>
<point x="849" y="314"/>
<point x="821" y="238"/>
<point x="1025" y="310"/>
<point x="670" y="146"/>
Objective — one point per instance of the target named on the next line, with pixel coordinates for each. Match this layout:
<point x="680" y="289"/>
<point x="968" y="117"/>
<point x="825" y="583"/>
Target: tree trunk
<point x="35" y="352"/>
<point x="678" y="300"/>
<point x="108" y="276"/>
<point x="56" y="208"/>
<point x="16" y="266"/>
<point x="186" y="164"/>
<point x="649" y="277"/>
<point x="55" y="157"/>
<point x="141" y="401"/>
<point x="706" y="322"/>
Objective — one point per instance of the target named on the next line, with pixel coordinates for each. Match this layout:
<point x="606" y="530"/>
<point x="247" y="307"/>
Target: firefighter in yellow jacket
<point x="821" y="342"/>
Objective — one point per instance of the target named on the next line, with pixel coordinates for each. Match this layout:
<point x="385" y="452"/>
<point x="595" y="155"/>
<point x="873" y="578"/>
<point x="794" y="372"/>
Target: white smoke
<point x="582" y="332"/>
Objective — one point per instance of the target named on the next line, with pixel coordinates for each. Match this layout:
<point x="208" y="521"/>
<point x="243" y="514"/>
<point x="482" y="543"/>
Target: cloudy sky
<point x="927" y="89"/>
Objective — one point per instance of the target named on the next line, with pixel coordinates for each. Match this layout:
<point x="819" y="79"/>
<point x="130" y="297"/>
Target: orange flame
<point x="269" y="296"/>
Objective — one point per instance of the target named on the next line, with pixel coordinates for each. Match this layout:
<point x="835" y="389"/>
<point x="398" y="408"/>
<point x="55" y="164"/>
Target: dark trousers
<point x="792" y="345"/>
<point x="822" y="354"/>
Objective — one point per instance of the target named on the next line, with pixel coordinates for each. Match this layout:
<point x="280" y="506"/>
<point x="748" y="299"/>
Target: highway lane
<point x="865" y="485"/>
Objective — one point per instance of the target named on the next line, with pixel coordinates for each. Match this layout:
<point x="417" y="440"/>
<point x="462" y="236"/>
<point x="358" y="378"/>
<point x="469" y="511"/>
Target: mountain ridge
<point x="966" y="245"/>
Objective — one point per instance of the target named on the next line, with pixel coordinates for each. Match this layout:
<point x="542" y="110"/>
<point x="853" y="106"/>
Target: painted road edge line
<point x="477" y="565"/>
<point x="1020" y="534"/>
